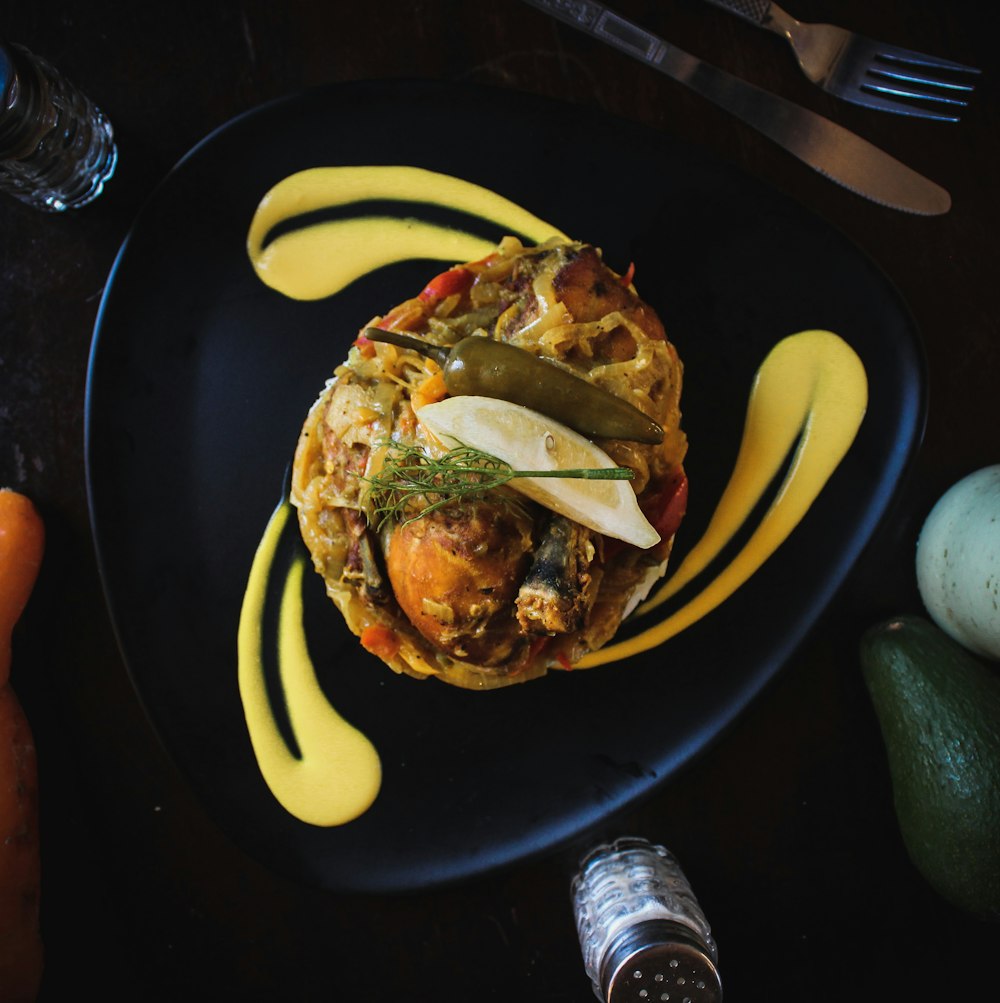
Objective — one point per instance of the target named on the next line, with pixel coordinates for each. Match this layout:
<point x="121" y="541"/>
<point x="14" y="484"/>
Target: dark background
<point x="785" y="827"/>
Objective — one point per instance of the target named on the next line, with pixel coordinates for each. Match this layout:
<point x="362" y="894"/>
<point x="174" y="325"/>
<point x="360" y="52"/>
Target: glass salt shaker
<point x="57" y="150"/>
<point x="642" y="932"/>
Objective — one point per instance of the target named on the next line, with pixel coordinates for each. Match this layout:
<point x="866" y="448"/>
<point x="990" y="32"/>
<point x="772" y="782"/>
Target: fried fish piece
<point x="560" y="586"/>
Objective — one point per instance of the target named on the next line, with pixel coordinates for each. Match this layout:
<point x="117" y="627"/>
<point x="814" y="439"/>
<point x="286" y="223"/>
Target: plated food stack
<point x="496" y="586"/>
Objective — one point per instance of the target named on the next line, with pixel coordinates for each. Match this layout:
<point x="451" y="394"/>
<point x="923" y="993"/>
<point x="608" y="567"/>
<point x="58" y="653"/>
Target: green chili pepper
<point x="486" y="368"/>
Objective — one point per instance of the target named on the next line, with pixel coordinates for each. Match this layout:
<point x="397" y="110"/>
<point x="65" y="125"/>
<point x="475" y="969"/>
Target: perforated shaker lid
<point x="657" y="963"/>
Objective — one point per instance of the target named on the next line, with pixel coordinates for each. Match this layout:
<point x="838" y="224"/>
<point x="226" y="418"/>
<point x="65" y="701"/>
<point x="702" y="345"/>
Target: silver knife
<point x="835" y="152"/>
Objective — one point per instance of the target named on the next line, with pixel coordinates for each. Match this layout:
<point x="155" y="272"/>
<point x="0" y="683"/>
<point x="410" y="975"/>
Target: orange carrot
<point x="22" y="542"/>
<point x="430" y="391"/>
<point x="380" y="641"/>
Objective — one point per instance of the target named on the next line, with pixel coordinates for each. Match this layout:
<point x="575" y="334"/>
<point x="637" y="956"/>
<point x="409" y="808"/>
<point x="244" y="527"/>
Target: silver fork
<point x="863" y="71"/>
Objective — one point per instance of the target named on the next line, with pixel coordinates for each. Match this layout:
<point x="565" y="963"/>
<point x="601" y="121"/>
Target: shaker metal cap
<point x="643" y="936"/>
<point x="658" y="962"/>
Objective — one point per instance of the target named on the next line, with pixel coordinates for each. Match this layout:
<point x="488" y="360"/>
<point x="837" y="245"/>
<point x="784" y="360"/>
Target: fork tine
<point x="909" y="78"/>
<point x="907" y="56"/>
<point x="903" y="66"/>
<point x="869" y="97"/>
<point x="909" y="87"/>
<point x="896" y="77"/>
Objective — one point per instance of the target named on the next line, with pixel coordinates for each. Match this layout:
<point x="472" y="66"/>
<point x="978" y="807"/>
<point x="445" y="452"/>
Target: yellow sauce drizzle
<point x="809" y="395"/>
<point x="317" y="261"/>
<point x="339" y="773"/>
<point x="811" y="387"/>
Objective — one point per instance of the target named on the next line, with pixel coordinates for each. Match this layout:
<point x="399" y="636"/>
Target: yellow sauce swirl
<point x="337" y="774"/>
<point x="808" y="400"/>
<point x="316" y="261"/>
<point x="812" y="388"/>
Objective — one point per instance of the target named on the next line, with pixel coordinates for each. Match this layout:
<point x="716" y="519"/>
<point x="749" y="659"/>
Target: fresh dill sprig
<point x="412" y="484"/>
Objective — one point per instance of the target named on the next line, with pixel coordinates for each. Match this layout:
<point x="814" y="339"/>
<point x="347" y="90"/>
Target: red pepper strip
<point x="405" y="316"/>
<point x="455" y="280"/>
<point x="626" y="279"/>
<point x="671" y="504"/>
<point x="538" y="645"/>
<point x="665" y="511"/>
<point x="366" y="346"/>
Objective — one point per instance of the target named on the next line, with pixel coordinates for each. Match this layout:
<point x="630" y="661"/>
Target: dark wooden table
<point x="785" y="825"/>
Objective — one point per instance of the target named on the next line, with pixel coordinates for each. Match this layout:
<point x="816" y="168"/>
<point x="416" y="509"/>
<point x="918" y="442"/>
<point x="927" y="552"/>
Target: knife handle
<point x="756" y="11"/>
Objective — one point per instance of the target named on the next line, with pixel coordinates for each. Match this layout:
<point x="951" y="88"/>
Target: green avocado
<point x="938" y="708"/>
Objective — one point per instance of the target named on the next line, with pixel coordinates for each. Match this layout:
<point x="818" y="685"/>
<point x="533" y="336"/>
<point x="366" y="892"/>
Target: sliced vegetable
<point x="455" y="280"/>
<point x="666" y="509"/>
<point x="430" y="390"/>
<point x="380" y="641"/>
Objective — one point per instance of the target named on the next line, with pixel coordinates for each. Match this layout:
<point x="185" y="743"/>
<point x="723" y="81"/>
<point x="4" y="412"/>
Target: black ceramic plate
<point x="200" y="379"/>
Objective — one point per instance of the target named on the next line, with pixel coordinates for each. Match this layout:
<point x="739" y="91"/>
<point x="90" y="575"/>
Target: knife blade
<point x="833" y="151"/>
